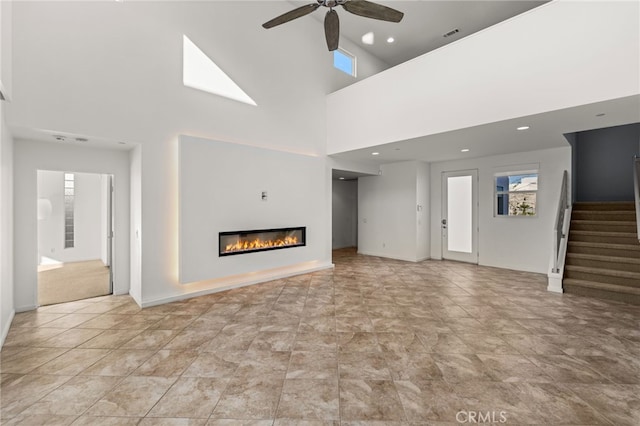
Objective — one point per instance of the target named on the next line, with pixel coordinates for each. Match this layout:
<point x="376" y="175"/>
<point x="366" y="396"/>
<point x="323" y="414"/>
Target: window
<point x="344" y="61"/>
<point x="516" y="193"/>
<point x="69" y="199"/>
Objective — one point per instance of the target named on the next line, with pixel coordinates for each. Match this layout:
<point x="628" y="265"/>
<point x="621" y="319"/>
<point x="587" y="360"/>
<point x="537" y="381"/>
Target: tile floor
<point x="373" y="342"/>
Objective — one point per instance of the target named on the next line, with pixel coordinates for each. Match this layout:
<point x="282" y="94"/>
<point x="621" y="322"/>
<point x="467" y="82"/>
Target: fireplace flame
<point x="260" y="244"/>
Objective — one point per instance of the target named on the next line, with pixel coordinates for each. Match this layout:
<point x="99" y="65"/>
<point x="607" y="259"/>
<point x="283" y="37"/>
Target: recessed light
<point x="464" y="150"/>
<point x="59" y="138"/>
<point x="602" y="114"/>
<point x="375" y="153"/>
<point x="341" y="178"/>
<point x="391" y="40"/>
<point x="523" y="128"/>
<point x="368" y="38"/>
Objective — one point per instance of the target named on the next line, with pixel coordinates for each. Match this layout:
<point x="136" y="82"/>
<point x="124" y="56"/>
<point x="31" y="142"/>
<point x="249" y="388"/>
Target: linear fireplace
<point x="241" y="242"/>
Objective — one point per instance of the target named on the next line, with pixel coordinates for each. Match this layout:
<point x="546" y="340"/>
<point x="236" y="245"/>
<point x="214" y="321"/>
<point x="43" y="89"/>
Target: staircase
<point x="603" y="252"/>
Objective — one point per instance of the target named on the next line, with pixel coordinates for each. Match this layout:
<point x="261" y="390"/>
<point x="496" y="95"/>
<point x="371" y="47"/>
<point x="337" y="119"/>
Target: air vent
<point x="450" y="33"/>
<point x="59" y="138"/>
<point x="82" y="140"/>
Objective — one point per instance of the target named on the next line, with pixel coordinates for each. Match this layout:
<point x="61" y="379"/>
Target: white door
<point x="460" y="216"/>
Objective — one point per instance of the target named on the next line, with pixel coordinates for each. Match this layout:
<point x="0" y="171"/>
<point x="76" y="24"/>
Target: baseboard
<point x="237" y="281"/>
<point x="136" y="299"/>
<point x="26" y="308"/>
<point x="5" y="329"/>
<point x="388" y="256"/>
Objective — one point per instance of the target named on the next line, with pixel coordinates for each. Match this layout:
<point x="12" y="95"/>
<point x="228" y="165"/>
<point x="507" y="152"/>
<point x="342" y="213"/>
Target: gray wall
<point x="603" y="163"/>
<point x="344" y="213"/>
<point x="572" y="138"/>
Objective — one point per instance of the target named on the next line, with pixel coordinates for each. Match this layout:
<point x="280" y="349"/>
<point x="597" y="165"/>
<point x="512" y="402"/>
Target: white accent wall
<point x="30" y="156"/>
<point x="344" y="213"/>
<point x="89" y="205"/>
<point x="560" y="55"/>
<point x="518" y="242"/>
<point x="221" y="186"/>
<point x="389" y="222"/>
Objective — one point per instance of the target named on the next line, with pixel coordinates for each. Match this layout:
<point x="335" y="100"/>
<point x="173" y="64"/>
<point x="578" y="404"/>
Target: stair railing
<point x="636" y="184"/>
<point x="558" y="231"/>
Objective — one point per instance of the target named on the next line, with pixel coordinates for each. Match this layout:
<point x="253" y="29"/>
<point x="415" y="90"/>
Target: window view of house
<point x="516" y="194"/>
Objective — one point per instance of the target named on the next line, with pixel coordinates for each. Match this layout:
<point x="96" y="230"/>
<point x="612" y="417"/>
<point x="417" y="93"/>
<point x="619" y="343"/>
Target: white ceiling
<point x="424" y="23"/>
<point x="65" y="138"/>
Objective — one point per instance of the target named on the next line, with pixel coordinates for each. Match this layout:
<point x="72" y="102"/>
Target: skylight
<point x="200" y="72"/>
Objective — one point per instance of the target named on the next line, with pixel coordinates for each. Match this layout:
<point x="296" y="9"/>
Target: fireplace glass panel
<point x="240" y="242"/>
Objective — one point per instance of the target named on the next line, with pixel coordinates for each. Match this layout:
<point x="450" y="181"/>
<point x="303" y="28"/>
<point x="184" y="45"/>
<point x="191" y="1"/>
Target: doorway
<point x="344" y="214"/>
<point x="459" y="221"/>
<point x="75" y="236"/>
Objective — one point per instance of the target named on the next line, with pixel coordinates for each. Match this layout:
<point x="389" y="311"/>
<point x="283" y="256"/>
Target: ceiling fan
<point x="331" y="22"/>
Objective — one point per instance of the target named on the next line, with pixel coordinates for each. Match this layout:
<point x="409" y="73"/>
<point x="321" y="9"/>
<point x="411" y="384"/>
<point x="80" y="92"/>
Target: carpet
<point x="72" y="281"/>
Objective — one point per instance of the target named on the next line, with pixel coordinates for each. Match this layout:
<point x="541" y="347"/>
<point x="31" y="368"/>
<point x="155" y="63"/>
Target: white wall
<point x="387" y="213"/>
<point x="6" y="48"/>
<point x="344" y="214"/>
<point x="30" y="156"/>
<point x="104" y="219"/>
<point x="220" y="190"/>
<point x="559" y="55"/>
<point x="88" y="210"/>
<point x="521" y="243"/>
<point x="135" y="239"/>
<point x="6" y="228"/>
<point x="423" y="224"/>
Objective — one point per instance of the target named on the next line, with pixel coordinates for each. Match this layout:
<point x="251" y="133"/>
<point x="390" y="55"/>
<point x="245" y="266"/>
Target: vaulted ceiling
<point x="424" y="24"/>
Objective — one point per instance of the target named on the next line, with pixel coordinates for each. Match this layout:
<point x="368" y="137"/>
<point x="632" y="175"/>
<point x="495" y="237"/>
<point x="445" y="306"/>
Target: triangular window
<point x="200" y="72"/>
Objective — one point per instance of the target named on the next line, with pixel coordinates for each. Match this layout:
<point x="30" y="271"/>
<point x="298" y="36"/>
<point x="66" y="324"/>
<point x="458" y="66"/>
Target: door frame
<point x="108" y="209"/>
<point x="475" y="230"/>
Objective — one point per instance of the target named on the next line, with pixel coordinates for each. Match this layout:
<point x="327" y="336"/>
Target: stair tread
<point x="594" y="203"/>
<point x="603" y="271"/>
<point x="605" y="233"/>
<point x="591" y="205"/>
<point x="618" y="259"/>
<point x="606" y="212"/>
<point x="602" y="286"/>
<point x="605" y="245"/>
<point x="603" y="222"/>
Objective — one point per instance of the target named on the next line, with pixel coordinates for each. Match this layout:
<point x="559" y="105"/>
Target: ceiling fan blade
<point x="332" y="29"/>
<point x="291" y="15"/>
<point x="373" y="10"/>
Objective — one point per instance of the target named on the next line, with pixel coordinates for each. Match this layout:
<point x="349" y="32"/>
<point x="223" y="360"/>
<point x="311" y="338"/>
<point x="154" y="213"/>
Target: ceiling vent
<point x="450" y="33"/>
